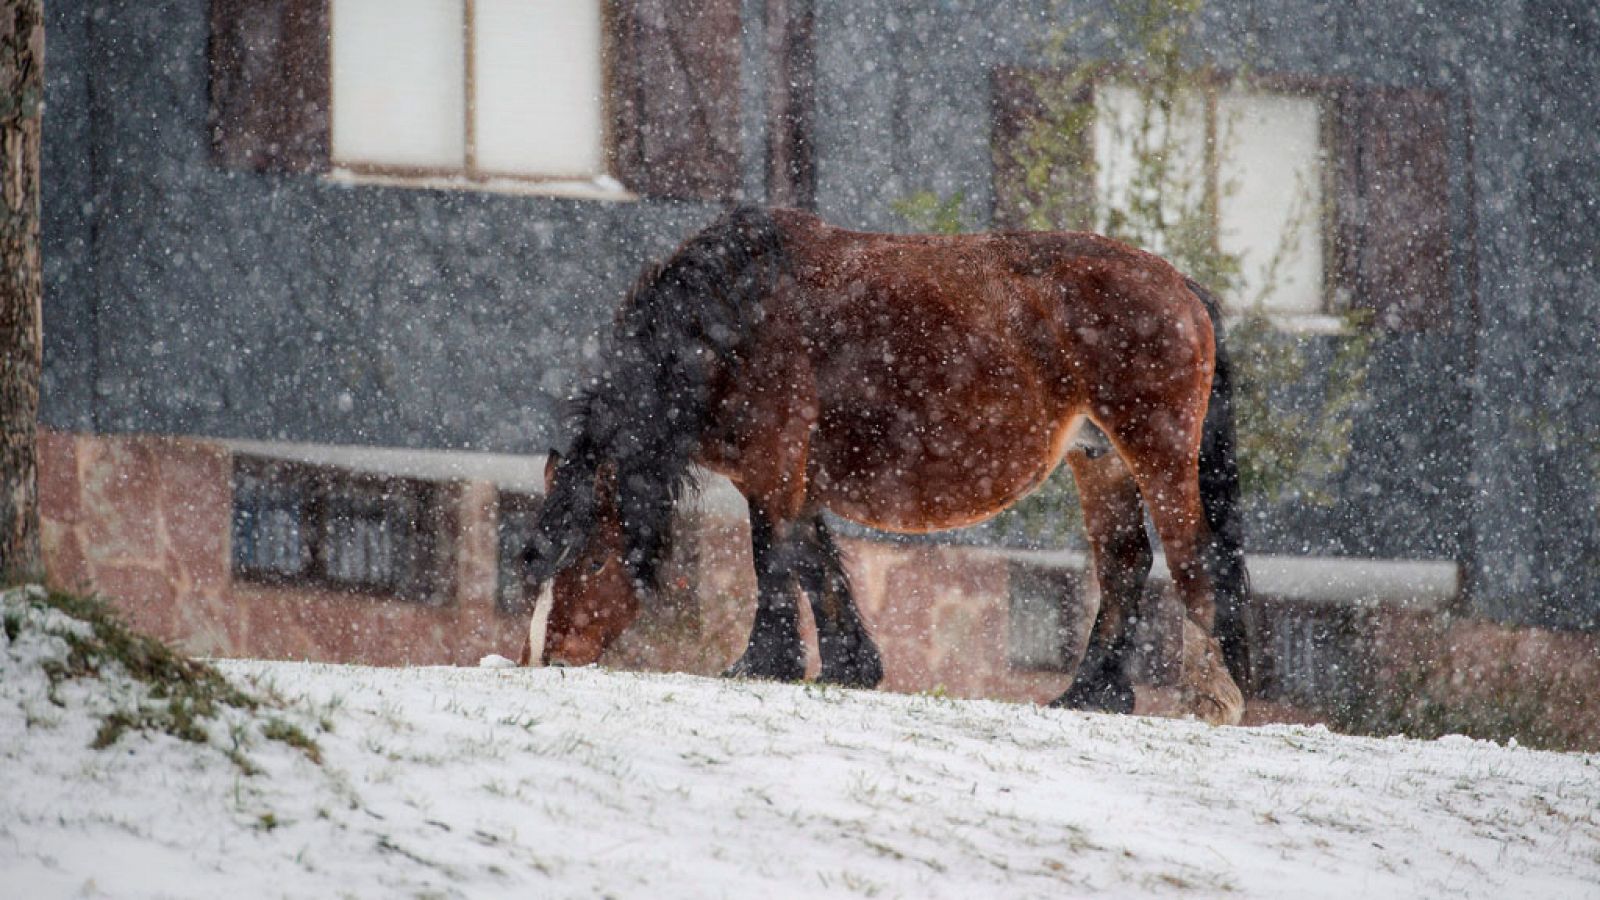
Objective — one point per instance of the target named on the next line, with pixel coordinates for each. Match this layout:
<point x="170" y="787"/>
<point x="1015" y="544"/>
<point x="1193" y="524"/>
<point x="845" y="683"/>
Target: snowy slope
<point x="580" y="783"/>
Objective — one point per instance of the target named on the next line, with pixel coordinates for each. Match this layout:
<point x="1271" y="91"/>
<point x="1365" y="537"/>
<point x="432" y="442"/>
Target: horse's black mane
<point x="645" y="413"/>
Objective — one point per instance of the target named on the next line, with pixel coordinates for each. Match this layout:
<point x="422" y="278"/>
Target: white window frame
<point x="599" y="184"/>
<point x="1315" y="221"/>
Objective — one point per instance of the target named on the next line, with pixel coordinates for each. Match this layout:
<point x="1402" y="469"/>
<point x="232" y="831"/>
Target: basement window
<point x="1044" y="631"/>
<point x="1312" y="657"/>
<point x="299" y="525"/>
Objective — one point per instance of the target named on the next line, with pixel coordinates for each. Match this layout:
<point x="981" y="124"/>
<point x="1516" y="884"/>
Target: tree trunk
<point x="21" y="285"/>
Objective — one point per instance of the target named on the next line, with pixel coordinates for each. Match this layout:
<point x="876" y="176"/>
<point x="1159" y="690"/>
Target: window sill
<point x="603" y="187"/>
<point x="1418" y="585"/>
<point x="506" y="471"/>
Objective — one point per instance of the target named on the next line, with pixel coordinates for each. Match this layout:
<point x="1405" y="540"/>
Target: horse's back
<point x="1076" y="308"/>
<point x="974" y="271"/>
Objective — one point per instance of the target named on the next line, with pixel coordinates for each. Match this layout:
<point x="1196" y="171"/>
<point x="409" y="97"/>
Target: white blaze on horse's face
<point x="540" y="623"/>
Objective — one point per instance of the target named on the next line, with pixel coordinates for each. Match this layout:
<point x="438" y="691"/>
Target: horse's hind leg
<point x="1159" y="439"/>
<point x="849" y="657"/>
<point x="1114" y="520"/>
<point x="774" y="651"/>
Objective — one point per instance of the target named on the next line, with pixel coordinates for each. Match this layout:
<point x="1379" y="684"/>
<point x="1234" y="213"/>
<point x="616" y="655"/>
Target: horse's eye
<point x="596" y="566"/>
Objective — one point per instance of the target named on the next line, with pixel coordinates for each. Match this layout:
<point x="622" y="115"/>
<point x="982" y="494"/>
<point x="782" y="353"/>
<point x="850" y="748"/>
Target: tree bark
<point x="21" y="286"/>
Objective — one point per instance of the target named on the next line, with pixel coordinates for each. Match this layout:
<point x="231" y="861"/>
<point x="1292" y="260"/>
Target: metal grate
<point x="1312" y="657"/>
<point x="369" y="536"/>
<point x="269" y="526"/>
<point x="1045" y="627"/>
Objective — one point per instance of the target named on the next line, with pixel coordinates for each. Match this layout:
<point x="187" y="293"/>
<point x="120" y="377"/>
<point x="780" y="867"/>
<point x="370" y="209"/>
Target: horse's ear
<point x="550" y="463"/>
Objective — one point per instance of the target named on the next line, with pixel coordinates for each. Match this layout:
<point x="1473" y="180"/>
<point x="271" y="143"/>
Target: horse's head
<point x="586" y="597"/>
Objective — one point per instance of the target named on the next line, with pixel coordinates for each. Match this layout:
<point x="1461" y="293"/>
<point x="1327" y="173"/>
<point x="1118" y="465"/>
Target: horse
<point x="910" y="383"/>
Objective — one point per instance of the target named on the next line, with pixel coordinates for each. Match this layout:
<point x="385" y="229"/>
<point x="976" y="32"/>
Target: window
<point x="1258" y="155"/>
<point x="1269" y="196"/>
<point x="475" y="87"/>
<point x="271" y="523"/>
<point x="1047" y="627"/>
<point x="441" y="93"/>
<point x="1315" y="653"/>
<point x="296" y="524"/>
<point x="1333" y="197"/>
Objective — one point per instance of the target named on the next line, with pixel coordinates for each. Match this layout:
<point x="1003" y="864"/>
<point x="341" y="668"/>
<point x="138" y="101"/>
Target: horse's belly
<point x="936" y="468"/>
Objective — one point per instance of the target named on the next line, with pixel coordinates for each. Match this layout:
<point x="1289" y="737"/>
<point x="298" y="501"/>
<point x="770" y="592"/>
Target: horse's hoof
<point x="851" y="662"/>
<point x="767" y="668"/>
<point x="1104" y="696"/>
<point x="863" y="673"/>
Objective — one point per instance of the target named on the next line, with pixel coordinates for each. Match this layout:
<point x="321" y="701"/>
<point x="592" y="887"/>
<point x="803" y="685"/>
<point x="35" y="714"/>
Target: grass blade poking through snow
<point x="150" y="687"/>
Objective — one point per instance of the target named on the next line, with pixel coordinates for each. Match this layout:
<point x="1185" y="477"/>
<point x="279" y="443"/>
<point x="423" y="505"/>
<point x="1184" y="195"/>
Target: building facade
<point x="295" y="222"/>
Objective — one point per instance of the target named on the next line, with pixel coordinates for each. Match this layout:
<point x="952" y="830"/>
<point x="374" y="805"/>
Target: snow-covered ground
<point x="439" y="782"/>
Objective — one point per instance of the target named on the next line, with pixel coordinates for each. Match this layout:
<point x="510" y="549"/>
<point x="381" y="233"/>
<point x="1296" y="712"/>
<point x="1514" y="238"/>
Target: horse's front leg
<point x="849" y="656"/>
<point x="1114" y="519"/>
<point x="775" y="650"/>
<point x="771" y="420"/>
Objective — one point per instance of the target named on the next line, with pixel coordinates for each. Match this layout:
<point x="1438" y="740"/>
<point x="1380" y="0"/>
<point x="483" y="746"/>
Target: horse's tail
<point x="1220" y="498"/>
<point x="686" y="320"/>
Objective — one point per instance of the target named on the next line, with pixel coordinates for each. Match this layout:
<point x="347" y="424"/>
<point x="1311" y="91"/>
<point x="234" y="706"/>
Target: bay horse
<point x="910" y="383"/>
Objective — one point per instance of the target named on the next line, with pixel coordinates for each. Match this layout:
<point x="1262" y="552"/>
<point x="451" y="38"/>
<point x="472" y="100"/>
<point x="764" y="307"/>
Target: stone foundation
<point x="146" y="522"/>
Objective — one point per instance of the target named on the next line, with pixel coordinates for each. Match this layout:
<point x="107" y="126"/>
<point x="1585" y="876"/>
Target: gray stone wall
<point x="185" y="298"/>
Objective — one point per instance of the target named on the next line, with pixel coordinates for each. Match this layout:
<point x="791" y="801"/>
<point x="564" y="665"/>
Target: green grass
<point x="182" y="694"/>
<point x="289" y="733"/>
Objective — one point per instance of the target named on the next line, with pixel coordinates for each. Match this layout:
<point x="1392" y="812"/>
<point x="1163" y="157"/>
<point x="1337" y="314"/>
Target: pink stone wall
<point x="1488" y="678"/>
<point x="145" y="521"/>
<point x="939" y="614"/>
